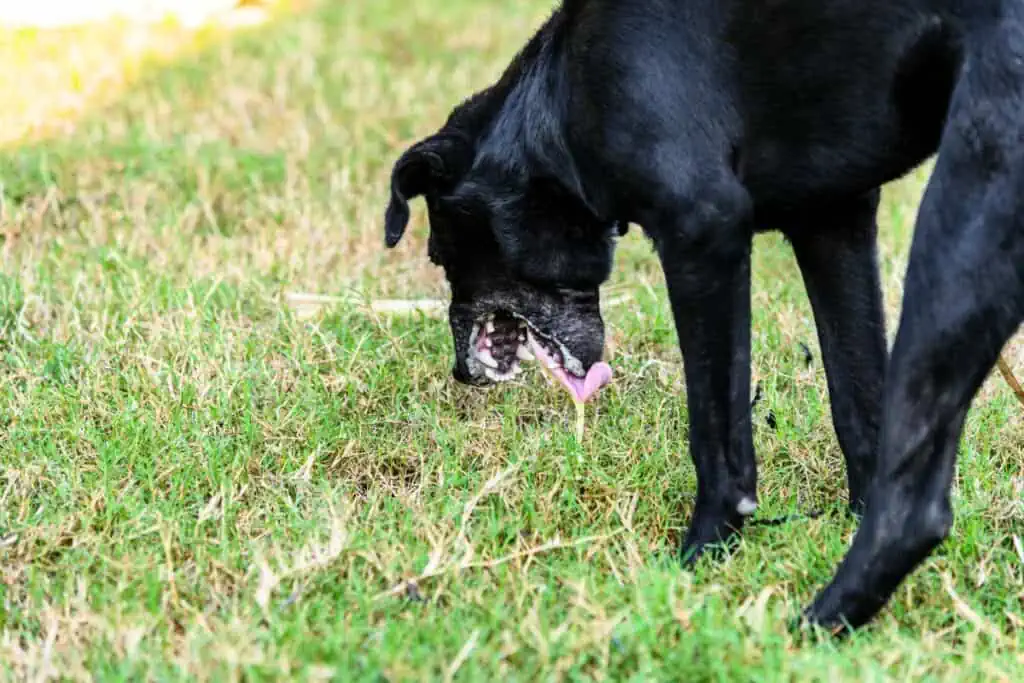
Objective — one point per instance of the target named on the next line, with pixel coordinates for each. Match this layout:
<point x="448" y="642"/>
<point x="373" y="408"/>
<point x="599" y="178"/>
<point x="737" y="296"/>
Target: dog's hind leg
<point x="964" y="298"/>
<point x="836" y="250"/>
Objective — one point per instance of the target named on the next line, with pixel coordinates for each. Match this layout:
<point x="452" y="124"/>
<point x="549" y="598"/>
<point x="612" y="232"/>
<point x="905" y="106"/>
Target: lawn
<point x="201" y="479"/>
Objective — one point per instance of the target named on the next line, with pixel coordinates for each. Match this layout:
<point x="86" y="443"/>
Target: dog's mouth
<point x="501" y="340"/>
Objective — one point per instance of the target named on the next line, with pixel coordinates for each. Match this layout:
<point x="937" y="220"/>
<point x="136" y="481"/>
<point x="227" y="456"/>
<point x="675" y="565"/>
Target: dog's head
<point x="524" y="256"/>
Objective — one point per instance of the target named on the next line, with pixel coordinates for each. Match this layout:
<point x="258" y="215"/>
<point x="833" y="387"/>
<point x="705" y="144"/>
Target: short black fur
<point x="706" y="122"/>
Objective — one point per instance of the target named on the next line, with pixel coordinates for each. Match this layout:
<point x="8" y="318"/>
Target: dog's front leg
<point x="963" y="299"/>
<point x="705" y="254"/>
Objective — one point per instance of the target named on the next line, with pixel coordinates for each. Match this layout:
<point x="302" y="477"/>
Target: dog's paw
<point x="805" y="629"/>
<point x="810" y="625"/>
<point x="711" y="534"/>
<point x="827" y="616"/>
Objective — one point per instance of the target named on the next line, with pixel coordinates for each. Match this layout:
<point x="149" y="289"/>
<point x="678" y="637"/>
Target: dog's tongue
<point x="582" y="388"/>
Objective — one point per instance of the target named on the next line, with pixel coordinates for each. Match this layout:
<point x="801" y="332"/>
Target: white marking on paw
<point x="746" y="507"/>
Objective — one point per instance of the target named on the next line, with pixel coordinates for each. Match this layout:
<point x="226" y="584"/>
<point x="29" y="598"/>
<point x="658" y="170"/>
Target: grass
<point x="196" y="482"/>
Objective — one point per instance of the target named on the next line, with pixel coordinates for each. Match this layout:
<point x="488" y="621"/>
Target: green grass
<point x="196" y="482"/>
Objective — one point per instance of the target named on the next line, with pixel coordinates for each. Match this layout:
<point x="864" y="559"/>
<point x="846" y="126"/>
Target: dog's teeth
<point x="523" y="353"/>
<point x="499" y="376"/>
<point x="486" y="358"/>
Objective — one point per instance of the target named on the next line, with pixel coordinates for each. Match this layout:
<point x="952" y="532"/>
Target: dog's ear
<point x="431" y="165"/>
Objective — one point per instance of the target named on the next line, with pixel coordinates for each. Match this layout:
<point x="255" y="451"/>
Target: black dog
<point x="704" y="121"/>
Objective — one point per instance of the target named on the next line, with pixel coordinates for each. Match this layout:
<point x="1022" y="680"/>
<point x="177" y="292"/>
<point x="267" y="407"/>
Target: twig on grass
<point x="1010" y="378"/>
<point x="308" y="304"/>
<point x="400" y="306"/>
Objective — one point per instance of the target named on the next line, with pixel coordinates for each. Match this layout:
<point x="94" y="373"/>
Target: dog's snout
<point x="461" y="375"/>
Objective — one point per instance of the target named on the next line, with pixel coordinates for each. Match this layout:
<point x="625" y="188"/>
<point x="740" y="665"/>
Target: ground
<point x="206" y="473"/>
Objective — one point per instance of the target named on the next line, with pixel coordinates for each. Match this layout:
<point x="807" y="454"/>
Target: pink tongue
<point x="584" y="389"/>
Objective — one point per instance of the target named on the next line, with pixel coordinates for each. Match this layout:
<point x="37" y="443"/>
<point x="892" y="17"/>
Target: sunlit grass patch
<point x="56" y="72"/>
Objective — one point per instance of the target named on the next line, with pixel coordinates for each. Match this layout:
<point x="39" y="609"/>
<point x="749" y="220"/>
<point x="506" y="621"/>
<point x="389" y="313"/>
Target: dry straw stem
<point x="581" y="419"/>
<point x="554" y="544"/>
